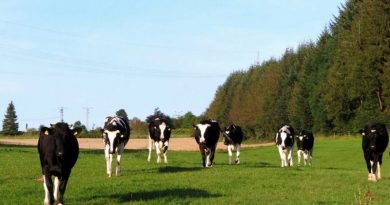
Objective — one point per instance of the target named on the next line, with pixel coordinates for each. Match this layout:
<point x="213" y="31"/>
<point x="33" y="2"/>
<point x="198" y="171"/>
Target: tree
<point x="83" y="127"/>
<point x="188" y="120"/>
<point x="10" y="126"/>
<point x="158" y="114"/>
<point x="122" y="113"/>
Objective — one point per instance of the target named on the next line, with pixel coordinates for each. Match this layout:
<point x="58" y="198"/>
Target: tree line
<point x="334" y="85"/>
<point x="183" y="123"/>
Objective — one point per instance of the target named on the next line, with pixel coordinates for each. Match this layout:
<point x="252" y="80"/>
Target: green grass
<point x="338" y="176"/>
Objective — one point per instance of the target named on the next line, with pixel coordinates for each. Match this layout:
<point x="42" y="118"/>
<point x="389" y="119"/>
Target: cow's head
<point x="113" y="131"/>
<point x="162" y="130"/>
<point x="227" y="131"/>
<point x="302" y="138"/>
<point x="370" y="136"/>
<point x="285" y="137"/>
<point x="201" y="132"/>
<point x="59" y="134"/>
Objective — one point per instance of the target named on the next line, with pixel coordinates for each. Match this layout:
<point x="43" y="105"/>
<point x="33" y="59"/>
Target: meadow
<point x="338" y="176"/>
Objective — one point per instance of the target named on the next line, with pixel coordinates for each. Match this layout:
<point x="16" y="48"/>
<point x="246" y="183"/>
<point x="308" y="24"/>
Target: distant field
<point x="338" y="176"/>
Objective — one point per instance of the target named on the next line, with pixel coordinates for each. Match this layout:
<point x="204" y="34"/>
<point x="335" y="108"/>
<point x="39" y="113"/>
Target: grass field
<point x="338" y="176"/>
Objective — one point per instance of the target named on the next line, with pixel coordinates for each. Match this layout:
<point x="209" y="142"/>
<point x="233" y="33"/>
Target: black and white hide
<point x="58" y="152"/>
<point x="232" y="137"/>
<point x="116" y="134"/>
<point x="159" y="134"/>
<point x="285" y="141"/>
<point x="207" y="135"/>
<point x="305" y="142"/>
<point x="374" y="143"/>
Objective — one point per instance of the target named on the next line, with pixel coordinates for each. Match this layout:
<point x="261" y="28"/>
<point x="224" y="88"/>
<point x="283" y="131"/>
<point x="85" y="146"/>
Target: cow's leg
<point x="62" y="188"/>
<point x="165" y="151"/>
<point x="299" y="152"/>
<point x="289" y="157"/>
<point x="282" y="157"/>
<point x="208" y="158"/>
<point x="230" y="147"/>
<point x="158" y="151"/>
<point x="121" y="149"/>
<point x="56" y="187"/>
<point x="118" y="165"/>
<point x="48" y="185"/>
<point x="373" y="170"/>
<point x="238" y="153"/>
<point x="379" y="166"/>
<point x="305" y="157"/>
<point x="108" y="157"/>
<point x="150" y="149"/>
<point x="310" y="156"/>
<point x="368" y="164"/>
<point x="203" y="154"/>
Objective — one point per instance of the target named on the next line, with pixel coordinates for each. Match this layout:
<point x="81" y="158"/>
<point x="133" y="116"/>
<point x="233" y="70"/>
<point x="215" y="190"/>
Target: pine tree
<point x="122" y="113"/>
<point x="10" y="126"/>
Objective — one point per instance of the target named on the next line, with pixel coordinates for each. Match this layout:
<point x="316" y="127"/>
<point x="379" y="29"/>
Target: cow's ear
<point x="76" y="131"/>
<point x="46" y="131"/>
<point x="361" y="131"/>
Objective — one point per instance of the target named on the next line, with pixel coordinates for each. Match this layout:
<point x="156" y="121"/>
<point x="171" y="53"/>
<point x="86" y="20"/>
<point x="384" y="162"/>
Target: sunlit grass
<point x="338" y="176"/>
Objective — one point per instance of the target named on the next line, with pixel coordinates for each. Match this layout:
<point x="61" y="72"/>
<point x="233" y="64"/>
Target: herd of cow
<point x="58" y="147"/>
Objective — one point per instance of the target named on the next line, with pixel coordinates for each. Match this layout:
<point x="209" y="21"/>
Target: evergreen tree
<point x="10" y="126"/>
<point x="122" y="113"/>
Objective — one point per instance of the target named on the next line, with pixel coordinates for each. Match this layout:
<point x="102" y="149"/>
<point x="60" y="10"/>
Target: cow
<point x="116" y="134"/>
<point x="284" y="140"/>
<point x="232" y="137"/>
<point x="207" y="135"/>
<point x="58" y="151"/>
<point x="305" y="142"/>
<point x="159" y="134"/>
<point x="374" y="143"/>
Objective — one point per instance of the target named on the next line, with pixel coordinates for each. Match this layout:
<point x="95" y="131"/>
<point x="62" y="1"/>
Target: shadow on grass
<point x="174" y="169"/>
<point x="337" y="168"/>
<point x="263" y="165"/>
<point x="101" y="151"/>
<point x="177" y="193"/>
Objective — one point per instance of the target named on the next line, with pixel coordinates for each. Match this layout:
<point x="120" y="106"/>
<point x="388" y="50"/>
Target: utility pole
<point x="62" y="113"/>
<point x="87" y="113"/>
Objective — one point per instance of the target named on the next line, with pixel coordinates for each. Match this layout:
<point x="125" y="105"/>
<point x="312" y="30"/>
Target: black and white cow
<point x="207" y="135"/>
<point x="232" y="137"/>
<point x="285" y="141"/>
<point x="159" y="134"/>
<point x="305" y="142"/>
<point x="374" y="143"/>
<point x="58" y="152"/>
<point x="116" y="134"/>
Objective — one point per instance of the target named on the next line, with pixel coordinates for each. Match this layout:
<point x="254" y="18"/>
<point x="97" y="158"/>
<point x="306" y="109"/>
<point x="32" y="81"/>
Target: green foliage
<point x="158" y="114"/>
<point x="338" y="84"/>
<point x="10" y="126"/>
<point x="122" y="113"/>
<point x="259" y="179"/>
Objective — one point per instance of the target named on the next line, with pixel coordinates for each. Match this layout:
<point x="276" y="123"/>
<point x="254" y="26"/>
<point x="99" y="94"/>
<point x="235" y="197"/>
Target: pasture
<point x="338" y="176"/>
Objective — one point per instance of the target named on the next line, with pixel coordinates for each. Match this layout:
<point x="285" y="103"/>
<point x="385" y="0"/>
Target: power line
<point x="83" y="65"/>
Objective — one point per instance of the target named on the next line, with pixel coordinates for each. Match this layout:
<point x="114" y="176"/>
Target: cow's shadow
<point x="263" y="165"/>
<point x="174" y="169"/>
<point x="179" y="193"/>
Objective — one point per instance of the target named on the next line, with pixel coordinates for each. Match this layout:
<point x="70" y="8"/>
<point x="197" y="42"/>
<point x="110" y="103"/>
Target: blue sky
<point x="139" y="55"/>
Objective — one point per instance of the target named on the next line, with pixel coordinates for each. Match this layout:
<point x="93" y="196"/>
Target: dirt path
<point x="182" y="144"/>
